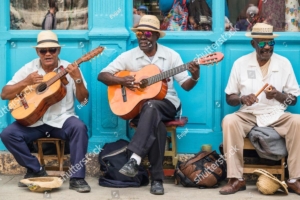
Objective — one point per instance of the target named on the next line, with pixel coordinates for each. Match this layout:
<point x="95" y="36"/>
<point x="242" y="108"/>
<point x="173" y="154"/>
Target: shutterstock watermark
<point x="211" y="48"/>
<point x="16" y="101"/>
<point x="210" y="169"/>
<point x="82" y="162"/>
<point x="82" y="104"/>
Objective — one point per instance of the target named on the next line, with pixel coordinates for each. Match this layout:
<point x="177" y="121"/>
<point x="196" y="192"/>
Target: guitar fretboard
<point x="61" y="74"/>
<point x="167" y="74"/>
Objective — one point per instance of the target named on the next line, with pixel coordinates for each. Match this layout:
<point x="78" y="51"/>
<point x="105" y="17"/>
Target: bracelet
<point x="196" y="80"/>
<point x="241" y="100"/>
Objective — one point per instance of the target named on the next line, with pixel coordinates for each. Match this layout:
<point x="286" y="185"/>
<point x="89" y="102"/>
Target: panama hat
<point x="41" y="184"/>
<point x="149" y="23"/>
<point x="269" y="184"/>
<point x="47" y="39"/>
<point x="262" y="30"/>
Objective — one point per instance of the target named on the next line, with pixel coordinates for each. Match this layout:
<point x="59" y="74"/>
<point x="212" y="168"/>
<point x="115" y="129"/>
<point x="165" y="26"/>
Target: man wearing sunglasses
<point x="266" y="109"/>
<point x="59" y="121"/>
<point x="150" y="136"/>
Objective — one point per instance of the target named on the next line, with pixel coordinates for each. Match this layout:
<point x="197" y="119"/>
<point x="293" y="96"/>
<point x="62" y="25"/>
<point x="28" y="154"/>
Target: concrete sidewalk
<point x="10" y="191"/>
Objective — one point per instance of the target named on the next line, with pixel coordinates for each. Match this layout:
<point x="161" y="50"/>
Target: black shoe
<point x="79" y="184"/>
<point x="130" y="168"/>
<point x="31" y="174"/>
<point x="157" y="188"/>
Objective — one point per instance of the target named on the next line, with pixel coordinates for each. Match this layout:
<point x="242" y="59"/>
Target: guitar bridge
<point x="23" y="100"/>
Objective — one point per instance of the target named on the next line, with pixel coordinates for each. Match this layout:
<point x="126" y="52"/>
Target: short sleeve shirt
<point x="165" y="59"/>
<point x="246" y="78"/>
<point x="59" y="112"/>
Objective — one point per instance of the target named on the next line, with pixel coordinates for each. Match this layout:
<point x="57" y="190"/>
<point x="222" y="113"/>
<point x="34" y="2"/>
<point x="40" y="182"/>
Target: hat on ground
<point x="149" y="23"/>
<point x="41" y="184"/>
<point x="269" y="184"/>
<point x="262" y="30"/>
<point x="47" y="39"/>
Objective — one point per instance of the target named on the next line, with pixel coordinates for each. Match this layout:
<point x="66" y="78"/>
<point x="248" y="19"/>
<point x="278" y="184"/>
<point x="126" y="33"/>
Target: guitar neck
<point x="167" y="74"/>
<point x="62" y="73"/>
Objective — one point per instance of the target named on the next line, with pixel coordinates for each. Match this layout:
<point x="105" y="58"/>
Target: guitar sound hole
<point x="144" y="83"/>
<point x="41" y="88"/>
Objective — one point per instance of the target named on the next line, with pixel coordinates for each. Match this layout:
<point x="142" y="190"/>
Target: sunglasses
<point x="262" y="44"/>
<point x="147" y="34"/>
<point x="50" y="50"/>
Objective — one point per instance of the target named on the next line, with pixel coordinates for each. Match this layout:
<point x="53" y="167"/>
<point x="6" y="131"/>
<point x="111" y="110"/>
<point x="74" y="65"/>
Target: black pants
<point x="150" y="136"/>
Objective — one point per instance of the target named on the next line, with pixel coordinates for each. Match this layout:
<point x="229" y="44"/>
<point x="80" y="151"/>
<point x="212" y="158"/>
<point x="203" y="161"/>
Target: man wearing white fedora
<point x="248" y="75"/>
<point x="59" y="121"/>
<point x="150" y="136"/>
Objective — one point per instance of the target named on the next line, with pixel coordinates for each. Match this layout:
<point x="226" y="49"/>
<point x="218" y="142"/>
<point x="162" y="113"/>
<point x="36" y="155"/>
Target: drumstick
<point x="262" y="89"/>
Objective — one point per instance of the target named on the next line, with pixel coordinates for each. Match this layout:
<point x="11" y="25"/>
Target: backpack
<point x="205" y="169"/>
<point x="112" y="158"/>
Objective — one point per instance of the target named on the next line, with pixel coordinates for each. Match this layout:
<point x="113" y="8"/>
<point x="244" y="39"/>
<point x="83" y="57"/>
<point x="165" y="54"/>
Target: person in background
<point x="136" y="18"/>
<point x="253" y="17"/>
<point x="49" y="22"/>
<point x="142" y="10"/>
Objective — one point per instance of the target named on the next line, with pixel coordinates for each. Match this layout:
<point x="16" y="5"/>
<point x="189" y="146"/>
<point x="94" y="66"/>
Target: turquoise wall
<point x="205" y="105"/>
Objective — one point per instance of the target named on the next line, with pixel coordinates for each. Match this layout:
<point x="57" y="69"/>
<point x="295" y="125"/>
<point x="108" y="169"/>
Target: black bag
<point x="205" y="169"/>
<point x="112" y="158"/>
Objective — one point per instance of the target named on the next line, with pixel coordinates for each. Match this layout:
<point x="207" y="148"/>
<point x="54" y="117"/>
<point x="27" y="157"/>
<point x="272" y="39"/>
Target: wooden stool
<point x="249" y="168"/>
<point x="60" y="148"/>
<point x="171" y="128"/>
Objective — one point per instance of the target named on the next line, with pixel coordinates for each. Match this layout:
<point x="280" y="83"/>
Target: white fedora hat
<point x="149" y="23"/>
<point x="47" y="39"/>
<point x="262" y="30"/>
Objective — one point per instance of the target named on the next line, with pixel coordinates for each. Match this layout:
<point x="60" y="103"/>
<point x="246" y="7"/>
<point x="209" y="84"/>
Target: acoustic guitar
<point x="32" y="103"/>
<point x="127" y="103"/>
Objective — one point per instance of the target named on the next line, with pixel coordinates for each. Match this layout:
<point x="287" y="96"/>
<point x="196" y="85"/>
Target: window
<point x="52" y="14"/>
<point x="194" y="15"/>
<point x="281" y="14"/>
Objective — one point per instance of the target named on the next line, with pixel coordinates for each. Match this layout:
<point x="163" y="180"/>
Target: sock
<point x="240" y="179"/>
<point x="293" y="180"/>
<point x="137" y="158"/>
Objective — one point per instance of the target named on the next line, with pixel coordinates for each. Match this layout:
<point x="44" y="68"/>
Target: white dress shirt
<point x="59" y="112"/>
<point x="165" y="59"/>
<point x="246" y="78"/>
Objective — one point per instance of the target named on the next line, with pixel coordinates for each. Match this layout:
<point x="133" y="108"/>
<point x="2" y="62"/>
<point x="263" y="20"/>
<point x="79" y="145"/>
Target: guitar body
<point x="38" y="102"/>
<point x="135" y="99"/>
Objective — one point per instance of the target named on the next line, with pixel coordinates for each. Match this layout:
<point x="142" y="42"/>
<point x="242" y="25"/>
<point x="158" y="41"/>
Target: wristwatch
<point x="78" y="81"/>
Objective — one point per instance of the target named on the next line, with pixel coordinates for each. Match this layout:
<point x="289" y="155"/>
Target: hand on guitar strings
<point x="194" y="69"/>
<point x="129" y="82"/>
<point x="74" y="72"/>
<point x="34" y="78"/>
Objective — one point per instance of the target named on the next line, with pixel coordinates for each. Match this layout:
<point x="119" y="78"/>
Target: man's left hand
<point x="271" y="92"/>
<point x="194" y="69"/>
<point x="74" y="72"/>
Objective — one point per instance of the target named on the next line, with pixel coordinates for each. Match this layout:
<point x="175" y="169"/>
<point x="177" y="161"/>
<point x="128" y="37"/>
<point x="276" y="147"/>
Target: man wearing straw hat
<point x="150" y="136"/>
<point x="59" y="121"/>
<point x="248" y="75"/>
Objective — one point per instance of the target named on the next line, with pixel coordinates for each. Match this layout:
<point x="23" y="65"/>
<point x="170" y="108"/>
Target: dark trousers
<point x="16" y="138"/>
<point x="150" y="136"/>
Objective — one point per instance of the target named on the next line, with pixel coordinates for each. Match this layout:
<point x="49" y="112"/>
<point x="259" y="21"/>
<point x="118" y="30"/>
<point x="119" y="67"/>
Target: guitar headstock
<point x="210" y="58"/>
<point x="92" y="54"/>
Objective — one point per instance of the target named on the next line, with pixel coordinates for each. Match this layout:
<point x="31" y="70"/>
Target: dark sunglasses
<point x="262" y="44"/>
<point x="147" y="34"/>
<point x="50" y="50"/>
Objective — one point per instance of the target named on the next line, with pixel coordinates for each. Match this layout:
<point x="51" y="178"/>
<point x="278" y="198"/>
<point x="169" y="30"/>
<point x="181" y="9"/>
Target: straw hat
<point x="149" y="23"/>
<point x="41" y="184"/>
<point x="262" y="30"/>
<point x="269" y="184"/>
<point x="47" y="39"/>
